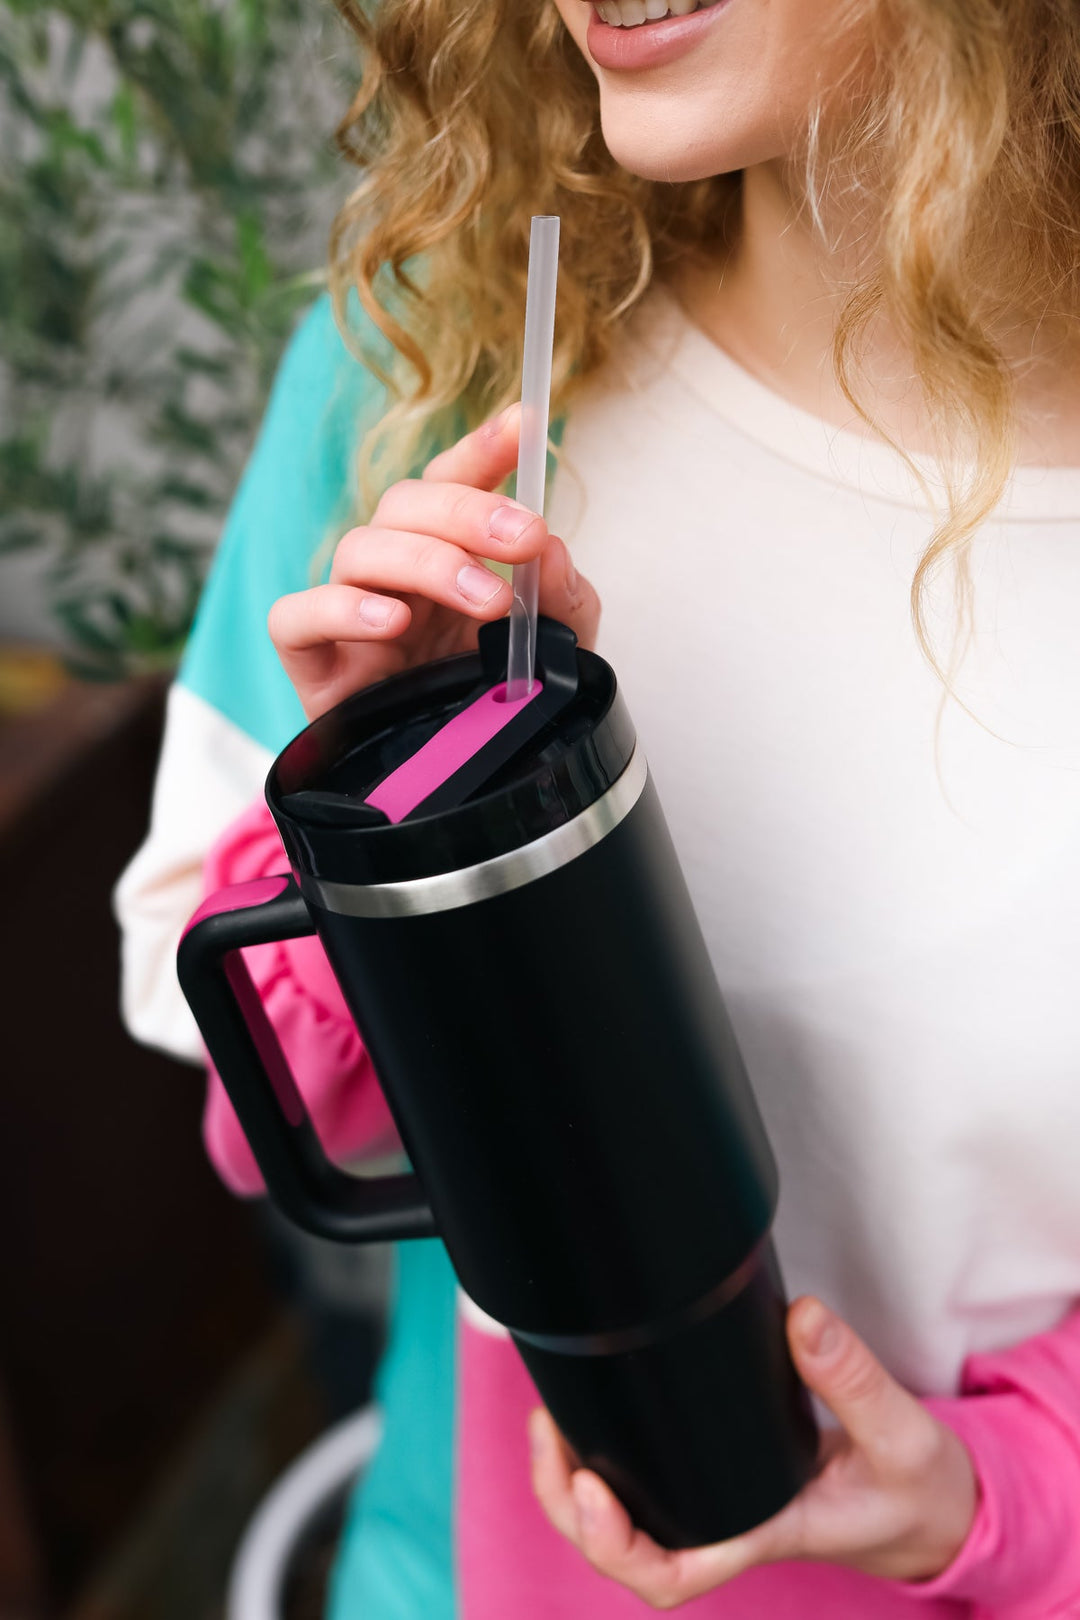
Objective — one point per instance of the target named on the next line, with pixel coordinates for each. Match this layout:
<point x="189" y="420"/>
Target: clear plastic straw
<point x="532" y="448"/>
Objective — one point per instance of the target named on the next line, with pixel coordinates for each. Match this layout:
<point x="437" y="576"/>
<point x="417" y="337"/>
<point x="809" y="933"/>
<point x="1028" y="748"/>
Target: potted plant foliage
<point x="168" y="185"/>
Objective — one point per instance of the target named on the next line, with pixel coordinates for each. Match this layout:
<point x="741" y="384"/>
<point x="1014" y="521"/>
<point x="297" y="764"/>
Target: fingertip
<point x="555" y="567"/>
<point x="812" y="1328"/>
<point x="278" y="613"/>
<point x="541" y="1433"/>
<point x="519" y="533"/>
<point x="484" y="589"/>
<point x="800" y="1307"/>
<point x="570" y="576"/>
<point x="551" y="1474"/>
<point x="495" y="425"/>
<point x="598" y="1512"/>
<point x="383" y="615"/>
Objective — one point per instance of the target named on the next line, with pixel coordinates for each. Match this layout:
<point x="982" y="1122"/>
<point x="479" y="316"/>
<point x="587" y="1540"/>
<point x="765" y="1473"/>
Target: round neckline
<point x="836" y="454"/>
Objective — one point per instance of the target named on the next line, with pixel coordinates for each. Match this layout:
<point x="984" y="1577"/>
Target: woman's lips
<point x="649" y="44"/>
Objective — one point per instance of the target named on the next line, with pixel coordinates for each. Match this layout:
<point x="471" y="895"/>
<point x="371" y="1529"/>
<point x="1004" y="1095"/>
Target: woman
<point x="821" y="465"/>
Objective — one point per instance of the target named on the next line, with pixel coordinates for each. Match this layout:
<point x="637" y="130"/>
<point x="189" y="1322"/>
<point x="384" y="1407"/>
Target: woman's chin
<point x="654" y="150"/>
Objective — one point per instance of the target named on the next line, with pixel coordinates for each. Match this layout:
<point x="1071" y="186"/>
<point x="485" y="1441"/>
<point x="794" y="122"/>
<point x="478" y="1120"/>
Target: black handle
<point x="247" y="1055"/>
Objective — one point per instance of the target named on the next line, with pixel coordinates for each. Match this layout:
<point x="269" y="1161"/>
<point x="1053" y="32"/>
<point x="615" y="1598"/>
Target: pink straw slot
<point x="451" y="747"/>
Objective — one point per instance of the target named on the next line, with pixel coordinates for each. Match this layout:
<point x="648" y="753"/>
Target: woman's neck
<point x="772" y="303"/>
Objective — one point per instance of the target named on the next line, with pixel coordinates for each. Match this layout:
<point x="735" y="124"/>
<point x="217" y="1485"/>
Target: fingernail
<point x="508" y="523"/>
<point x="571" y="576"/>
<point x="478" y="585"/>
<point x="497" y="423"/>
<point x="821" y="1333"/>
<point x="585" y="1506"/>
<point x="375" y="613"/>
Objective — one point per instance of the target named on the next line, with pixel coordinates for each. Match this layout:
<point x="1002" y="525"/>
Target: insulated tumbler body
<point x="530" y="980"/>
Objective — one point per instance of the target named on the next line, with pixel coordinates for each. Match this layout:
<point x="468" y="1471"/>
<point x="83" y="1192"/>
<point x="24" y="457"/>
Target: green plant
<point x="168" y="184"/>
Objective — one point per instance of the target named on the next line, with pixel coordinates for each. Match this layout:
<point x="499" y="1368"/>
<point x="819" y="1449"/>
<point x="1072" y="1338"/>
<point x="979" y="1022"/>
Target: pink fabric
<point x="1019" y="1415"/>
<point x="304" y="1003"/>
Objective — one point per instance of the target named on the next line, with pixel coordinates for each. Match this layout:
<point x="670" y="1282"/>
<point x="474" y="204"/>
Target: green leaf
<point x="213" y="290"/>
<point x="144" y="634"/>
<point x="17" y="536"/>
<point x="75" y="618"/>
<point x="73" y="56"/>
<point x="181" y="490"/>
<point x="179" y="427"/>
<point x="124" y="115"/>
<point x="253" y="15"/>
<point x="66" y="137"/>
<point x="206" y="365"/>
<point x="254" y="263"/>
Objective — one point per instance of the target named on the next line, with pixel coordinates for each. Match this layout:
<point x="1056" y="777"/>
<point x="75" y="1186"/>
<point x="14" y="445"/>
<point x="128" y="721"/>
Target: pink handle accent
<point x="236" y="896"/>
<point x="266" y="1042"/>
<point x="452" y="746"/>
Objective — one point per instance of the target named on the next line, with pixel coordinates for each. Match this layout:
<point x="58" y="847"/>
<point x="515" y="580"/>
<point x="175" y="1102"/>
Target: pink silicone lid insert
<point x="451" y="747"/>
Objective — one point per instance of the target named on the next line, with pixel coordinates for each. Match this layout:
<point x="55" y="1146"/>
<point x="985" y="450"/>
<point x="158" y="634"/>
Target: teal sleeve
<point x="296" y="494"/>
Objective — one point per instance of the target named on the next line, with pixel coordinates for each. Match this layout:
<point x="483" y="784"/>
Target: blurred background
<point x="167" y="181"/>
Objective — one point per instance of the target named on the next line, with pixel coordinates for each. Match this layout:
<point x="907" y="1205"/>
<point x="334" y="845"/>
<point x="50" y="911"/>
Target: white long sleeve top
<point x="897" y="937"/>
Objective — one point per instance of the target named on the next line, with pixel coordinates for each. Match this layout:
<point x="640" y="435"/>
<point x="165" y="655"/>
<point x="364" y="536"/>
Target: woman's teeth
<point x="629" y="13"/>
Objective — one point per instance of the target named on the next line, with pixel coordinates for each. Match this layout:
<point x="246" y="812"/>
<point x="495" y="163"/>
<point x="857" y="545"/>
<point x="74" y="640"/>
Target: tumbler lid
<point x="561" y="753"/>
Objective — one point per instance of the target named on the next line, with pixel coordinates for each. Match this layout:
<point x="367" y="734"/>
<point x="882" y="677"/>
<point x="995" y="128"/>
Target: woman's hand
<point x="409" y="586"/>
<point x="896" y="1496"/>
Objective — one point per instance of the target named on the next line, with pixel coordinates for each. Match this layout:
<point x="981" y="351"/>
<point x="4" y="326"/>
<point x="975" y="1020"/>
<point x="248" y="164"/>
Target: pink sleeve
<point x="1019" y="1416"/>
<point x="308" y="1012"/>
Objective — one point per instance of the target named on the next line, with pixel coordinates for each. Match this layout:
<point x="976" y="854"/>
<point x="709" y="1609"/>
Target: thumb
<point x="833" y="1362"/>
<point x="566" y="595"/>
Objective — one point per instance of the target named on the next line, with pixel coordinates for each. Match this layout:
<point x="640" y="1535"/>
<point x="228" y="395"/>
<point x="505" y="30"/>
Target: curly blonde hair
<point x="471" y="118"/>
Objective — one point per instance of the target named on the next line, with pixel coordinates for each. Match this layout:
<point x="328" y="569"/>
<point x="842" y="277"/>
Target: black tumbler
<point x="587" y="1146"/>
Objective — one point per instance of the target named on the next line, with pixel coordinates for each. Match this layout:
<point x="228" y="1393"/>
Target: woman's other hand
<point x="410" y="586"/>
<point x="896" y="1495"/>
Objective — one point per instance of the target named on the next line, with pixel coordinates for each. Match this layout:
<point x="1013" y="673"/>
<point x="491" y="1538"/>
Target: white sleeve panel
<point x="209" y="773"/>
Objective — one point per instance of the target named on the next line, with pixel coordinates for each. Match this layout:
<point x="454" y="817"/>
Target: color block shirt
<point x="890" y="898"/>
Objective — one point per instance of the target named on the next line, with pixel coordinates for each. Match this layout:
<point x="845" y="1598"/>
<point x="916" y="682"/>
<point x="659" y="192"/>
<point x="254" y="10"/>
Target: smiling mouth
<point x="636" y="13"/>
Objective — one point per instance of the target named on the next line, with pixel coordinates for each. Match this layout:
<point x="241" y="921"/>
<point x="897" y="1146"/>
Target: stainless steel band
<point x="447" y="890"/>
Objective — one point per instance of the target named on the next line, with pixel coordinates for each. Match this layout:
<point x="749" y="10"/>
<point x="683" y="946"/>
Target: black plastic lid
<point x="316" y="788"/>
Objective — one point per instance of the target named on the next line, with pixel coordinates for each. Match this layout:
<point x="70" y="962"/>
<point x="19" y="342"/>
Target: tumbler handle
<point x="246" y="1053"/>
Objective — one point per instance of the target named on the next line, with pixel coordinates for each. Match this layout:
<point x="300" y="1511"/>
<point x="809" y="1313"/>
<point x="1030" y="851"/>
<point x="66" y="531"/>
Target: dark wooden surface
<point x="130" y="1282"/>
